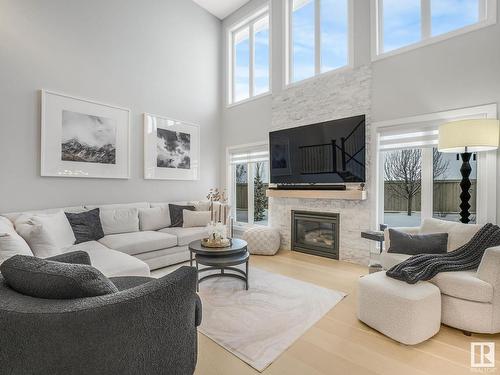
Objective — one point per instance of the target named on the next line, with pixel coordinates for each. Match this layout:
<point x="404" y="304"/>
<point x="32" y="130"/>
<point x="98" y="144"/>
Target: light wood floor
<point x="339" y="343"/>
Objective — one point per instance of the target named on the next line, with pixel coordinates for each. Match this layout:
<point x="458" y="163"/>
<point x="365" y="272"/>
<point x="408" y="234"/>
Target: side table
<point x="377" y="236"/>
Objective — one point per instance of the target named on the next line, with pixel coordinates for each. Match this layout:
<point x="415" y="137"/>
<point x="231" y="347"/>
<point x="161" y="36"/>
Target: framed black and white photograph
<point x="83" y="138"/>
<point x="171" y="149"/>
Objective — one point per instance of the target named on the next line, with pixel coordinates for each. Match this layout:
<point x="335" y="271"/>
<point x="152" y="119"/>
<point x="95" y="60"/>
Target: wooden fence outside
<point x="446" y="197"/>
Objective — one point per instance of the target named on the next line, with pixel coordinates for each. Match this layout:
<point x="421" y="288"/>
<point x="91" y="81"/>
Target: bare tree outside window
<point x="403" y="169"/>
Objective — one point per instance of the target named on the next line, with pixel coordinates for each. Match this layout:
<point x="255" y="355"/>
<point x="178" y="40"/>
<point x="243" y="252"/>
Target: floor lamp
<point x="466" y="137"/>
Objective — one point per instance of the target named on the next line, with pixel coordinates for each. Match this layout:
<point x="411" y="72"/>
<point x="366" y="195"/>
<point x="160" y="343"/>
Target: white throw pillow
<point x="154" y="218"/>
<point x="124" y="220"/>
<point x="6" y="226"/>
<point x="458" y="233"/>
<point x="195" y="218"/>
<point x="11" y="243"/>
<point x="200" y="205"/>
<point x="46" y="234"/>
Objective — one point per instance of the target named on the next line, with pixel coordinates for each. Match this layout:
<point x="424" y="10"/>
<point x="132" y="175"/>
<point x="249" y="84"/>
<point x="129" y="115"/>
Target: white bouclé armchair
<point x="470" y="300"/>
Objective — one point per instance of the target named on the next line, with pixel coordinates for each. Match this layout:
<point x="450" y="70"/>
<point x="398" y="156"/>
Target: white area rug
<point x="259" y="324"/>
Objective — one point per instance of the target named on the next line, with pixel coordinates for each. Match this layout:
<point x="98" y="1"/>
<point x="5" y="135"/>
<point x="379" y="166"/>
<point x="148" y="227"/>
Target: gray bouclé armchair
<point x="148" y="327"/>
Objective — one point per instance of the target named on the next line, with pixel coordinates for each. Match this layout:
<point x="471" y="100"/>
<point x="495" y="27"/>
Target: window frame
<point x="486" y="165"/>
<point x="488" y="8"/>
<point x="231" y="182"/>
<point x="288" y="45"/>
<point x="231" y="30"/>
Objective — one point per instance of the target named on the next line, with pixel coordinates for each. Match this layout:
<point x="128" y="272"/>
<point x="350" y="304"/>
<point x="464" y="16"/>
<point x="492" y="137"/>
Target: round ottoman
<point x="408" y="313"/>
<point x="262" y="240"/>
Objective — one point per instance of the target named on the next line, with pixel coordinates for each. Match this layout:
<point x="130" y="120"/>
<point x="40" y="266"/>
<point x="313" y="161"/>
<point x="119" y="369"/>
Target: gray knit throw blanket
<point x="466" y="257"/>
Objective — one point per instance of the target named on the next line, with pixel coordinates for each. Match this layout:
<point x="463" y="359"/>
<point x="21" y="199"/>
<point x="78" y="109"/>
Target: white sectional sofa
<point x="137" y="237"/>
<point x="470" y="299"/>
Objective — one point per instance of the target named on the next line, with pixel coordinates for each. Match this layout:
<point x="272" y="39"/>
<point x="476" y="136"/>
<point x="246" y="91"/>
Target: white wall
<point x="463" y="71"/>
<point x="152" y="56"/>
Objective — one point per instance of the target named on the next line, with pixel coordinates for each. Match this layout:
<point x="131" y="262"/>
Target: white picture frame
<point x="83" y="138"/>
<point x="171" y="149"/>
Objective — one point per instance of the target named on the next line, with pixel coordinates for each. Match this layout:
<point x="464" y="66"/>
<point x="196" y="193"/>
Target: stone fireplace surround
<point x="354" y="218"/>
<point x="332" y="96"/>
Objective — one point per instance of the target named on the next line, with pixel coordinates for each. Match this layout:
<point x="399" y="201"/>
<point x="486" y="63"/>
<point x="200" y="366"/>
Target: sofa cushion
<point x="111" y="262"/>
<point x="205" y="206"/>
<point x="11" y="243"/>
<point x="13" y="216"/>
<point x="86" y="225"/>
<point x="458" y="233"/>
<point x="139" y="242"/>
<point x="46" y="234"/>
<point x="154" y="218"/>
<point x="43" y="278"/>
<point x="177" y="214"/>
<point x="186" y="235"/>
<point x="413" y="244"/>
<point x="195" y="218"/>
<point x="464" y="285"/>
<point x="118" y="206"/>
<point x="120" y="220"/>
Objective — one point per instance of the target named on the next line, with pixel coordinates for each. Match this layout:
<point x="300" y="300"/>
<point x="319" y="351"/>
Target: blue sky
<point x="334" y="37"/>
<point x="261" y="61"/>
<point x="402" y="19"/>
<point x="402" y="26"/>
<point x="448" y="15"/>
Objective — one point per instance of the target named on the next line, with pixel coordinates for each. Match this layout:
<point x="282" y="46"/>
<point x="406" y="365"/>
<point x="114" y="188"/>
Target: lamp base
<point x="465" y="185"/>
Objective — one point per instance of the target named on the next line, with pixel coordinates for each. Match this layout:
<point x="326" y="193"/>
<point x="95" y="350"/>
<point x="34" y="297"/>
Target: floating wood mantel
<point x="349" y="194"/>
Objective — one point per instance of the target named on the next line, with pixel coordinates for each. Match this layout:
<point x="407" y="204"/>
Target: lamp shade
<point x="469" y="136"/>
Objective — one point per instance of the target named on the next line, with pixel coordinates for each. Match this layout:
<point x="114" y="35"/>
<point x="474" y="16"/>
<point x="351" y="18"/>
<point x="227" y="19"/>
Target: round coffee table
<point x="221" y="259"/>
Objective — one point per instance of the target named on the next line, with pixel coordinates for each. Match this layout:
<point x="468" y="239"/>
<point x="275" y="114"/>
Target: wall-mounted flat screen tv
<point x="329" y="152"/>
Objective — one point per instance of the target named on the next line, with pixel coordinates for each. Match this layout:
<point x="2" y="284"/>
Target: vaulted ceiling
<point x="221" y="8"/>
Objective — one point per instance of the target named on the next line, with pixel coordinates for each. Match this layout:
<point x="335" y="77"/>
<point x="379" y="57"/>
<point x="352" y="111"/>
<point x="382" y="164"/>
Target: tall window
<point x="249" y="170"/>
<point x="318" y="39"/>
<point x="408" y="22"/>
<point x="415" y="181"/>
<point x="403" y="187"/>
<point x="416" y="178"/>
<point x="249" y="56"/>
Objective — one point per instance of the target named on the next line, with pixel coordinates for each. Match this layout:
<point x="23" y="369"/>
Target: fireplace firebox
<point x="316" y="233"/>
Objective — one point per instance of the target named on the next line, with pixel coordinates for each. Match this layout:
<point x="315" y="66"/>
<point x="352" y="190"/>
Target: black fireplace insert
<point x="316" y="233"/>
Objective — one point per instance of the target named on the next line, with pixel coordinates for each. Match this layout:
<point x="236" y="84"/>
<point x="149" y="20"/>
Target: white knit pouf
<point x="406" y="313"/>
<point x="262" y="240"/>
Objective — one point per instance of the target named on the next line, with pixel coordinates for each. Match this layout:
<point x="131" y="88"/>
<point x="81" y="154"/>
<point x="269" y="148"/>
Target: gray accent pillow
<point x="177" y="214"/>
<point x="413" y="244"/>
<point x="43" y="278"/>
<point x="86" y="225"/>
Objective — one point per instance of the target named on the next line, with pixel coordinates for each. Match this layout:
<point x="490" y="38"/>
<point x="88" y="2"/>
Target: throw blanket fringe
<point x="466" y="257"/>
